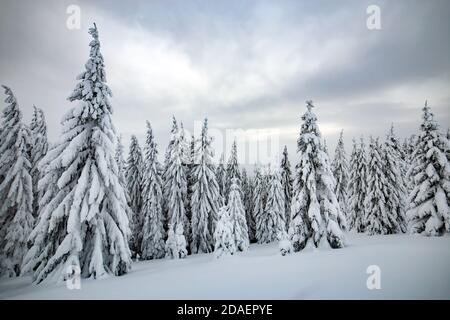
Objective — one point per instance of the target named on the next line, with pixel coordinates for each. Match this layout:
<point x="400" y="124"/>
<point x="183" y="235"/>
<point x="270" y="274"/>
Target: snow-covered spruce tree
<point x="232" y="170"/>
<point x="340" y="173"/>
<point x="221" y="176"/>
<point x="357" y="187"/>
<point x="190" y="180"/>
<point x="274" y="217"/>
<point x="153" y="234"/>
<point x="315" y="209"/>
<point x="378" y="219"/>
<point x="175" y="187"/>
<point x="166" y="175"/>
<point x="394" y="170"/>
<point x="429" y="201"/>
<point x="247" y="195"/>
<point x="16" y="193"/>
<point x="259" y="205"/>
<point x="224" y="242"/>
<point x="237" y="216"/>
<point x="286" y="182"/>
<point x="39" y="148"/>
<point x="205" y="202"/>
<point x="176" y="242"/>
<point x="121" y="164"/>
<point x="85" y="225"/>
<point x="134" y="172"/>
<point x="409" y="147"/>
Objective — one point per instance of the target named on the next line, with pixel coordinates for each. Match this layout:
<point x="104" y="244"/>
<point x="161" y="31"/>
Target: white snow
<point x="412" y="267"/>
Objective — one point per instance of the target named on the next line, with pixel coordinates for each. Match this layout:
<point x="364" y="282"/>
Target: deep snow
<point x="412" y="267"/>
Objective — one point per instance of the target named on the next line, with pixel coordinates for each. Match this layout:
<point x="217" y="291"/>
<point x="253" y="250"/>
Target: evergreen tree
<point x="259" y="205"/>
<point x="357" y="186"/>
<point x="121" y="164"/>
<point x="206" y="199"/>
<point x="166" y="174"/>
<point x="85" y="225"/>
<point x="315" y="209"/>
<point x="429" y="201"/>
<point x="232" y="170"/>
<point x="175" y="190"/>
<point x="39" y="149"/>
<point x="153" y="246"/>
<point x="378" y="219"/>
<point x="221" y="177"/>
<point x="247" y="194"/>
<point x="394" y="170"/>
<point x="340" y="173"/>
<point x="237" y="216"/>
<point x="286" y="182"/>
<point x="274" y="219"/>
<point x="409" y="148"/>
<point x="224" y="242"/>
<point x="176" y="242"/>
<point x="16" y="193"/>
<point x="134" y="172"/>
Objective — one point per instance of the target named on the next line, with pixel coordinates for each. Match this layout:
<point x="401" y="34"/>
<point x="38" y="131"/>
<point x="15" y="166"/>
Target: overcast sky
<point x="243" y="64"/>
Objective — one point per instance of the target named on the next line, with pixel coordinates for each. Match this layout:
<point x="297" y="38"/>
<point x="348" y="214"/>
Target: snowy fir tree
<point x="286" y="182"/>
<point x="395" y="170"/>
<point x="16" y="189"/>
<point x="232" y="169"/>
<point x="315" y="209"/>
<point x="190" y="180"/>
<point x="120" y="159"/>
<point x="206" y="200"/>
<point x="340" y="172"/>
<point x="259" y="205"/>
<point x="429" y="201"/>
<point x="224" y="241"/>
<point x="134" y="170"/>
<point x="274" y="213"/>
<point x="237" y="216"/>
<point x="221" y="176"/>
<point x="39" y="148"/>
<point x="176" y="242"/>
<point x="357" y="187"/>
<point x="153" y="234"/>
<point x="85" y="225"/>
<point x="409" y="147"/>
<point x="166" y="175"/>
<point x="175" y="191"/>
<point x="378" y="219"/>
<point x="247" y="196"/>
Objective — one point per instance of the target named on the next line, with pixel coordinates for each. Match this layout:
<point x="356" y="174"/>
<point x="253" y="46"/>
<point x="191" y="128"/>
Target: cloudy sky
<point x="247" y="65"/>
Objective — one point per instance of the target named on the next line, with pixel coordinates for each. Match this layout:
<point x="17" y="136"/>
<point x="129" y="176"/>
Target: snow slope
<point x="412" y="267"/>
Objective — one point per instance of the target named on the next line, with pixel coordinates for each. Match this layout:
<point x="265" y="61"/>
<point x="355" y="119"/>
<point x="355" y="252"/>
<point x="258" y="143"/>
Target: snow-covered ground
<point x="412" y="267"/>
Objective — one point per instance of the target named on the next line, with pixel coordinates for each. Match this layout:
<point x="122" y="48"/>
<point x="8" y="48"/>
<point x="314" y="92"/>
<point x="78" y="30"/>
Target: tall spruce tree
<point x="237" y="216"/>
<point x="121" y="164"/>
<point x="259" y="205"/>
<point x="357" y="187"/>
<point x="286" y="182"/>
<point x="378" y="219"/>
<point x="39" y="148"/>
<point x="232" y="170"/>
<point x="340" y="172"/>
<point x="153" y="234"/>
<point x="315" y="209"/>
<point x="205" y="202"/>
<point x="247" y="196"/>
<point x="429" y="201"/>
<point x="221" y="177"/>
<point x="224" y="242"/>
<point x="394" y="169"/>
<point x="16" y="189"/>
<point x="166" y="175"/>
<point x="274" y="217"/>
<point x="85" y="225"/>
<point x="175" y="191"/>
<point x="134" y="172"/>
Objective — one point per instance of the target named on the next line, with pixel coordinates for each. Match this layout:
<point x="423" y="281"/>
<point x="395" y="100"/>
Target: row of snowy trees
<point x="79" y="206"/>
